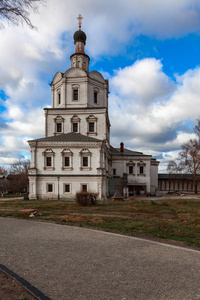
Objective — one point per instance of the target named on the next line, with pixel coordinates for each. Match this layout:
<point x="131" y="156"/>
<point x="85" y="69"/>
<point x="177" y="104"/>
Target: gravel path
<point x="81" y="264"/>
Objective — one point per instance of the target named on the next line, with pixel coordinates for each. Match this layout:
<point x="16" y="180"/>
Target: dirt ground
<point x="12" y="290"/>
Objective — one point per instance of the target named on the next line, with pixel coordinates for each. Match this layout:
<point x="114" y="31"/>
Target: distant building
<point x="138" y="171"/>
<point x="182" y="183"/>
<point x="75" y="154"/>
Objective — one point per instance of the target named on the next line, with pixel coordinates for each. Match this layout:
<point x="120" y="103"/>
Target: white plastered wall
<point x="120" y="164"/>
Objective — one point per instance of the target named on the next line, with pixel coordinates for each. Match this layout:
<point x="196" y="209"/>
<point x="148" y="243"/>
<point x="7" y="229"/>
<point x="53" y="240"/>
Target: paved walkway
<point x="80" y="264"/>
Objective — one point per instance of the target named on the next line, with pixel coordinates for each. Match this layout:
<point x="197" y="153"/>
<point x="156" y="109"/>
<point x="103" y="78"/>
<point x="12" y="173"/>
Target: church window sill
<point x="49" y="168"/>
<point x="92" y="133"/>
<point x="67" y="168"/>
<point x="85" y="168"/>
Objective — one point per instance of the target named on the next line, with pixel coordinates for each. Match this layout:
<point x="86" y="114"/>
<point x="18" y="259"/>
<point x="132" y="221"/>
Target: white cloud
<point x="144" y="81"/>
<point x="156" y="120"/>
<point x="143" y="98"/>
<point x="23" y="123"/>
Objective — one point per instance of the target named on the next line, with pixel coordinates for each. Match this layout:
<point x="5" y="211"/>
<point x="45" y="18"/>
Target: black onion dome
<point x="80" y="36"/>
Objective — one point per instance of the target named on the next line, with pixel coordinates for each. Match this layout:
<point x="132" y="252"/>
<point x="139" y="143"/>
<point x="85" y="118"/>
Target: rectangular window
<point x="59" y="98"/>
<point x="141" y="170"/>
<point x="75" y="96"/>
<point x="50" y="187"/>
<point x="67" y="188"/>
<point x="114" y="171"/>
<point x="95" y="97"/>
<point x="67" y="163"/>
<point x="75" y="127"/>
<point x="48" y="161"/>
<point x="84" y="187"/>
<point x="85" y="161"/>
<point x="130" y="169"/>
<point x="59" y="127"/>
<point x="91" y="127"/>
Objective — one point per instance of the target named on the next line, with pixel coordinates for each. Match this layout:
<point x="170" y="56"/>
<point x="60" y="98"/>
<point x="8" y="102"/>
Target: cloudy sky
<point x="149" y="51"/>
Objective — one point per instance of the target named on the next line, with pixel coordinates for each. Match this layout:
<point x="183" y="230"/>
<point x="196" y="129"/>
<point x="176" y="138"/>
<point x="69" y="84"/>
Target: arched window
<point x="58" y="97"/>
<point x="75" y="92"/>
<point x="96" y="95"/>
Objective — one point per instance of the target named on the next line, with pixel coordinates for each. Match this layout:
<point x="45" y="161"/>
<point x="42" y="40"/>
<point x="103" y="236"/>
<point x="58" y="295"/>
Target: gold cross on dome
<point x="79" y="19"/>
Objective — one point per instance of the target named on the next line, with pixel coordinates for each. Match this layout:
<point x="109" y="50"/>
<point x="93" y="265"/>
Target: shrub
<point x="86" y="199"/>
<point x="153" y="202"/>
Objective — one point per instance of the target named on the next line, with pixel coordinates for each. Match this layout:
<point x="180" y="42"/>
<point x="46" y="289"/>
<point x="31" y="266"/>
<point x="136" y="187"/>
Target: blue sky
<point x="149" y="51"/>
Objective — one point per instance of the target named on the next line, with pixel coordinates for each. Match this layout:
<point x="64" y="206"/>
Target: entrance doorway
<point x="136" y="190"/>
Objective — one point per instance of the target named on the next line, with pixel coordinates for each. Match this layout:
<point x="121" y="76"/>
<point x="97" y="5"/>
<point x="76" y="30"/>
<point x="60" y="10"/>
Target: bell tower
<point x="79" y="59"/>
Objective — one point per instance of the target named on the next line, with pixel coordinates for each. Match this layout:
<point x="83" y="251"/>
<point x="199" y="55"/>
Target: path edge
<point x="24" y="283"/>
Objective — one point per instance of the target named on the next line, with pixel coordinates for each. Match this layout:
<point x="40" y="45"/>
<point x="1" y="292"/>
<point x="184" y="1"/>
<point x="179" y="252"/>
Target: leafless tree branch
<point x="188" y="160"/>
<point x="17" y="11"/>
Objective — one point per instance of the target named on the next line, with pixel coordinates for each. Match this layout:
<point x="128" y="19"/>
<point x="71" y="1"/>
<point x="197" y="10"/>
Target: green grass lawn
<point x="165" y="219"/>
<point x="12" y="195"/>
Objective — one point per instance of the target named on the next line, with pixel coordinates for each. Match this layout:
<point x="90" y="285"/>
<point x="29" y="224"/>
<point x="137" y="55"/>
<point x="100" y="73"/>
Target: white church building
<point x="75" y="155"/>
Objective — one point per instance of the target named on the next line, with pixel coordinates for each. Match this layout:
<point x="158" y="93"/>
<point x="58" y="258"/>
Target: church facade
<point x="75" y="155"/>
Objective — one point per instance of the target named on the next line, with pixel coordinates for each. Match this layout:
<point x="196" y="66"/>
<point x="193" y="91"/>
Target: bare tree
<point x="19" y="175"/>
<point x="18" y="11"/>
<point x="3" y="171"/>
<point x="18" y="182"/>
<point x="188" y="160"/>
<point x="4" y="185"/>
<point x="20" y="166"/>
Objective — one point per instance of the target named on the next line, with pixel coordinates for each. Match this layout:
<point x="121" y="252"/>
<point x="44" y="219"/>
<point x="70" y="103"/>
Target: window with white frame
<point x="130" y="169"/>
<point x="49" y="160"/>
<point x="67" y="188"/>
<point x="92" y="125"/>
<point x="96" y="92"/>
<point x="95" y="97"/>
<point x="75" y="92"/>
<point x="141" y="168"/>
<point x="49" y="188"/>
<point x="59" y="125"/>
<point x="74" y="127"/>
<point x="84" y="188"/>
<point x="85" y="159"/>
<point x="75" y="123"/>
<point x="58" y="97"/>
<point x="130" y="166"/>
<point x="67" y="161"/>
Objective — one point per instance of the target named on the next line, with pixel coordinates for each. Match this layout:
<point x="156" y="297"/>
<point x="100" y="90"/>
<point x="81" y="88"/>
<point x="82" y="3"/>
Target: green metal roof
<point x="68" y="137"/>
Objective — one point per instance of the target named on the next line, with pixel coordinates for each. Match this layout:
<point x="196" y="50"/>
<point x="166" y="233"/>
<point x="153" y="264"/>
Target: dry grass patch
<point x="168" y="219"/>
